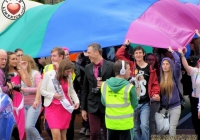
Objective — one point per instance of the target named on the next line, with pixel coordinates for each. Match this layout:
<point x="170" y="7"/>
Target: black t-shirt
<point x="143" y="78"/>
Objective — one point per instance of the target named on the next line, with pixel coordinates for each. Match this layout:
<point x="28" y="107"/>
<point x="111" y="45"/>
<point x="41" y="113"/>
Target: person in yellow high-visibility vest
<point x="57" y="59"/>
<point x="120" y="99"/>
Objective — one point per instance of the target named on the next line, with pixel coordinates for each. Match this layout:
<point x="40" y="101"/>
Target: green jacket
<point x="116" y="84"/>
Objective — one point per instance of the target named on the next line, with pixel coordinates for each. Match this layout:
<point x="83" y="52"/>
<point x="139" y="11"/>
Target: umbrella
<point x="77" y="23"/>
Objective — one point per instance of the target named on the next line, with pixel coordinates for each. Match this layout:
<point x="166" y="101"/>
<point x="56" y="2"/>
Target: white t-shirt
<point x="193" y="75"/>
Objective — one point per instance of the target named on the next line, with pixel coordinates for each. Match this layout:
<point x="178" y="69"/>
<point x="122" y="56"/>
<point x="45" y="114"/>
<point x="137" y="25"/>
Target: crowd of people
<point x="117" y="95"/>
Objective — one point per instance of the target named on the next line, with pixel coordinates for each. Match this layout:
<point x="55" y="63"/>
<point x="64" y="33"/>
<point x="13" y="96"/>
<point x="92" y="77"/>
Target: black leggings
<point x="194" y="110"/>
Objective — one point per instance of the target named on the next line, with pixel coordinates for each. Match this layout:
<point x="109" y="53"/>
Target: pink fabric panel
<point x="166" y="23"/>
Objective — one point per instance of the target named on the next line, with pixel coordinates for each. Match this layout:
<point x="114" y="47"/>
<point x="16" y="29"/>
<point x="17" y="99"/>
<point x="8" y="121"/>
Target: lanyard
<point x="195" y="85"/>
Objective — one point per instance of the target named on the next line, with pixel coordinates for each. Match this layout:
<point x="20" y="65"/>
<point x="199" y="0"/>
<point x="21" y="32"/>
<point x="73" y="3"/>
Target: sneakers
<point x="82" y="131"/>
<point x="87" y="133"/>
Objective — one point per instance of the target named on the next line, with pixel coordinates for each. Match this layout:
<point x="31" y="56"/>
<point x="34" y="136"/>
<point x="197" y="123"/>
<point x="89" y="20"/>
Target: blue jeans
<point x="141" y="122"/>
<point x="31" y="119"/>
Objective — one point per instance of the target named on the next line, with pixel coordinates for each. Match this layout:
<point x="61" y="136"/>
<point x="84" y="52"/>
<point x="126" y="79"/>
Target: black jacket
<point x="91" y="102"/>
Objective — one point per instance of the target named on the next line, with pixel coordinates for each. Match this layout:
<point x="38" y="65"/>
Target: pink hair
<point x="65" y="49"/>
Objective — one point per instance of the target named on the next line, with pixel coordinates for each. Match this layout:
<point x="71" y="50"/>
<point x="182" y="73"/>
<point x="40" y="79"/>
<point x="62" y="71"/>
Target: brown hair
<point x="118" y="66"/>
<point x="6" y="69"/>
<point x="31" y="63"/>
<point x="65" y="64"/>
<point x="59" y="50"/>
<point x="168" y="85"/>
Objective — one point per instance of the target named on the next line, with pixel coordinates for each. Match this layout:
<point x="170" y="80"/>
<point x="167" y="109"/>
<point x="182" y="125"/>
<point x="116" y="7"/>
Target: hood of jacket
<point x="116" y="84"/>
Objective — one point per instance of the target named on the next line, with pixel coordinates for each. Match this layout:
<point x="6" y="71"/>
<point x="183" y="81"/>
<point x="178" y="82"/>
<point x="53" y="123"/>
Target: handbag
<point x="162" y="121"/>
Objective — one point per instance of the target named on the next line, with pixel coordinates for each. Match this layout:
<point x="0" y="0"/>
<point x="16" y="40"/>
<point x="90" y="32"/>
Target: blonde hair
<point x="31" y="63"/>
<point x="166" y="86"/>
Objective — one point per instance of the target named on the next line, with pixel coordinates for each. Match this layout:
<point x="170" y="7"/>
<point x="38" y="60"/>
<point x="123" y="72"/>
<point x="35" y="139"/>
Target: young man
<point x="120" y="99"/>
<point x="150" y="89"/>
<point x="57" y="55"/>
<point x="97" y="71"/>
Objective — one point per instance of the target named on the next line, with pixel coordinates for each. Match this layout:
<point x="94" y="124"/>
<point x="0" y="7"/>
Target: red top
<point x="153" y="85"/>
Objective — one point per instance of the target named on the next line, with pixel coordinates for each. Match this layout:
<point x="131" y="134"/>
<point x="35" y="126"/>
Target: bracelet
<point x="182" y="55"/>
<point x="125" y="45"/>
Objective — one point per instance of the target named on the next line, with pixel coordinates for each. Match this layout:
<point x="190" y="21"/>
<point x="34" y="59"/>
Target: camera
<point x="95" y="90"/>
<point x="8" y="79"/>
<point x="17" y="88"/>
<point x="10" y="75"/>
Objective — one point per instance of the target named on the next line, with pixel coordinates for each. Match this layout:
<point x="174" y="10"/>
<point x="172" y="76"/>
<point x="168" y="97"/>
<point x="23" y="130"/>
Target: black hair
<point x="18" y="49"/>
<point x="138" y="48"/>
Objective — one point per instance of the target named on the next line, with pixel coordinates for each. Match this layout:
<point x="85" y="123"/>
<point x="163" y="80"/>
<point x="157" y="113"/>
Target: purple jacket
<point x="174" y="101"/>
<point x="3" y="85"/>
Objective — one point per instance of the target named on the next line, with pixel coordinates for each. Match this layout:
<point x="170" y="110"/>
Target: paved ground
<point x="81" y="137"/>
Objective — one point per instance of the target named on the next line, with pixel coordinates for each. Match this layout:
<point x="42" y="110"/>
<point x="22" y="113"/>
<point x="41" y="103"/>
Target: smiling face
<point x="92" y="54"/>
<point x="139" y="55"/>
<point x="55" y="57"/>
<point x="12" y="60"/>
<point x="166" y="66"/>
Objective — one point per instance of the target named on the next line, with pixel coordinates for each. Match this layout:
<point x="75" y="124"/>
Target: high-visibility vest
<point x="50" y="67"/>
<point x="119" y="111"/>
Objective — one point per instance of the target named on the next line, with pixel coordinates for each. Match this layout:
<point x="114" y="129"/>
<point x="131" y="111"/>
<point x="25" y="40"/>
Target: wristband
<point x="182" y="55"/>
<point x="125" y="45"/>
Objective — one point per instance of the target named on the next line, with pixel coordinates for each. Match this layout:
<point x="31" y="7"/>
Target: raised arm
<point x="22" y="70"/>
<point x="177" y="62"/>
<point x="197" y="33"/>
<point x="184" y="61"/>
<point x="120" y="54"/>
